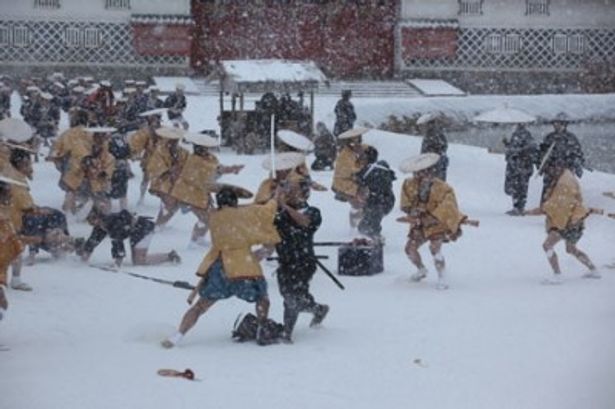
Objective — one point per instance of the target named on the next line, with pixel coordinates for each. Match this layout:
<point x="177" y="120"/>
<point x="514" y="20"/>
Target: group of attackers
<point x="89" y="156"/>
<point x="44" y="98"/>
<point x="280" y="218"/>
<point x="431" y="206"/>
<point x="561" y="162"/>
<point x="92" y="158"/>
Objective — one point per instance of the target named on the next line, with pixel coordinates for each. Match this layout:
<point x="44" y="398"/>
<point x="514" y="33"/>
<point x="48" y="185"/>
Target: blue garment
<point x="217" y="286"/>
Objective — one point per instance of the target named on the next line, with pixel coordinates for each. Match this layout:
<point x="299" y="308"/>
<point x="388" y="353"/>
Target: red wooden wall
<point x="345" y="38"/>
<point x="162" y="39"/>
<point x="428" y="43"/>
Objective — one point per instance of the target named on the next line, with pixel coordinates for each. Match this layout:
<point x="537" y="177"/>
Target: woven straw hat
<point x="157" y="111"/>
<point x="101" y="129"/>
<point x="201" y="139"/>
<point x="419" y="162"/>
<point x="170" y="133"/>
<point x="352" y="133"/>
<point x="284" y="161"/>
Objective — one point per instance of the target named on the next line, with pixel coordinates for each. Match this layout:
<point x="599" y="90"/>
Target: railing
<point x="470" y="8"/>
<point x="74" y="43"/>
<point x="117" y="4"/>
<point x="46" y="4"/>
<point x="536" y="7"/>
<point x="522" y="49"/>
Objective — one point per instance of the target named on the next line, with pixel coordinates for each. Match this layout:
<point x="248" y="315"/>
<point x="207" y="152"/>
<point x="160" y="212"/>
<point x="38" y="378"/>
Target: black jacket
<point x="296" y="247"/>
<point x="176" y="104"/>
<point x="521" y="153"/>
<point x="434" y="142"/>
<point x="378" y="179"/>
<point x="119" y="226"/>
<point x="566" y="151"/>
<point x="344" y="116"/>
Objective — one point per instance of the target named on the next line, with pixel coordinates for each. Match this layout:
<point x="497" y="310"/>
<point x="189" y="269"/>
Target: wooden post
<point x="273" y="146"/>
<point x="221" y="102"/>
<point x="312" y="111"/>
<point x="221" y="121"/>
<point x="241" y="102"/>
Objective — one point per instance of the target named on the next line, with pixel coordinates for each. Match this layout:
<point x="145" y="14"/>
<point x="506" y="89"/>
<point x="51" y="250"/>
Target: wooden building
<point x="95" y="34"/>
<point x="346" y="38"/>
<point x="511" y="40"/>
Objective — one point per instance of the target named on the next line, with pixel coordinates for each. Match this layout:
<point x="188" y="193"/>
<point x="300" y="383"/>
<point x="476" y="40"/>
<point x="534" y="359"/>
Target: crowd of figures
<point x="106" y="133"/>
<point x="44" y="98"/>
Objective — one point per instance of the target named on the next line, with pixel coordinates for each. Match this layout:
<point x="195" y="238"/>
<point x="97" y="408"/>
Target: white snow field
<point x="497" y="339"/>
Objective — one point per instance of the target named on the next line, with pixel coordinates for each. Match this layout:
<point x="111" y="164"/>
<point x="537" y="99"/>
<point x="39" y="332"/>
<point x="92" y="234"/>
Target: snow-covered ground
<point x="86" y="338"/>
<point x="580" y="107"/>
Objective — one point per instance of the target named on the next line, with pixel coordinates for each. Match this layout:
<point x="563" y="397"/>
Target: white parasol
<point x="15" y="130"/>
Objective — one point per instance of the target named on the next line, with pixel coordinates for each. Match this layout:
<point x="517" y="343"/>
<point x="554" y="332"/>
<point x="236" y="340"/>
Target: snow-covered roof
<point x="430" y="23"/>
<point x="179" y="19"/>
<point x="241" y="76"/>
<point x="434" y="88"/>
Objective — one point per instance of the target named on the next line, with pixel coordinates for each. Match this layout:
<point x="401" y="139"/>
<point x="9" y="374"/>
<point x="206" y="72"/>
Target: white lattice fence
<point x="75" y="43"/>
<point x="523" y="49"/>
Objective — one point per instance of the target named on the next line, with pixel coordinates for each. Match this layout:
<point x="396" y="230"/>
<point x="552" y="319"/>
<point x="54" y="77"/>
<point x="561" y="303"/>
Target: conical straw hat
<point x="284" y="161"/>
<point x="15" y="130"/>
<point x="295" y="140"/>
<point x="419" y="162"/>
<point x="352" y="133"/>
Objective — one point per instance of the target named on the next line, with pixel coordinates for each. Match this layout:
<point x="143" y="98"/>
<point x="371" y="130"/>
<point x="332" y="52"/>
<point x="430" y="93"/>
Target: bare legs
<point x="435" y="247"/>
<point x="4" y="304"/>
<point x="356" y="212"/>
<point x="143" y="187"/>
<point x="16" y="283"/>
<point x="552" y="239"/>
<point x="70" y="202"/>
<point x="262" y="309"/>
<point x="193" y="314"/>
<point x="140" y="257"/>
<point x="202" y="305"/>
<point x="412" y="250"/>
<point x="168" y="208"/>
<point x="201" y="227"/>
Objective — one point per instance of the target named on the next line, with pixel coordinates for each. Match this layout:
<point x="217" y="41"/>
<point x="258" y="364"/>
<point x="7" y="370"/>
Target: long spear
<point x="177" y="284"/>
<point x="330" y="274"/>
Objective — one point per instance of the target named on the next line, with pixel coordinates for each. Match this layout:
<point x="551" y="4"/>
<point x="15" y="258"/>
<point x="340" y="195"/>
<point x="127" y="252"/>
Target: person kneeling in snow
<point x="230" y="268"/>
<point x="432" y="212"/>
<point x="563" y="206"/>
<point x="47" y="229"/>
<point x="121" y="226"/>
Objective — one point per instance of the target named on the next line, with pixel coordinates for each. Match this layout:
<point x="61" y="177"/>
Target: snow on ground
<point x="87" y="338"/>
<point x="580" y="107"/>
